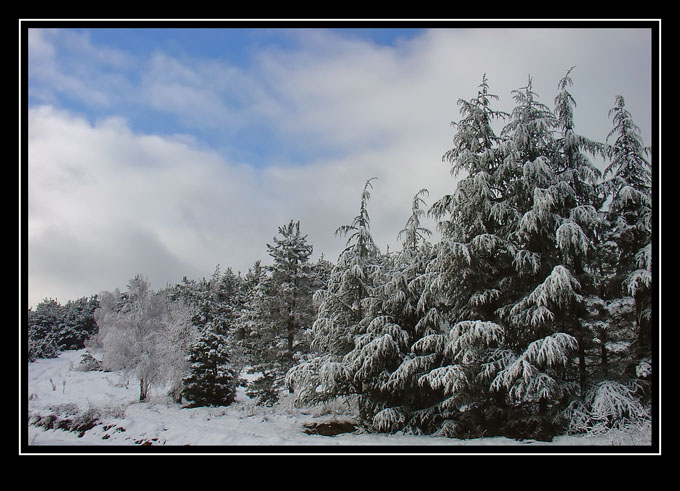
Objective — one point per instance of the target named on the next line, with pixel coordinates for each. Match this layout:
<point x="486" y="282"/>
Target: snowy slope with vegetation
<point x="106" y="406"/>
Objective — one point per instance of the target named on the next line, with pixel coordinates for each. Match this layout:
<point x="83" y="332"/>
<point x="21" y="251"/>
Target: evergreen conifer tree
<point x="41" y="330"/>
<point x="212" y="379"/>
<point x="253" y="310"/>
<point x="392" y="399"/>
<point x="631" y="217"/>
<point x="464" y="281"/>
<point x="291" y="288"/>
<point x="285" y="312"/>
<point x="543" y="315"/>
<point x="346" y="306"/>
<point x="255" y="335"/>
<point x="621" y="386"/>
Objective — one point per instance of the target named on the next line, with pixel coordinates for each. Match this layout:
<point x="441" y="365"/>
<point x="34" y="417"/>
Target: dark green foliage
<point x="279" y="313"/>
<point x="212" y="380"/>
<point x="265" y="389"/>
<point x="52" y="327"/>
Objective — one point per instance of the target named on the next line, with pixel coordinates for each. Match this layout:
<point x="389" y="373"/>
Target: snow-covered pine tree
<point x="280" y="333"/>
<point x="253" y="310"/>
<point x="217" y="300"/>
<point x="42" y="330"/>
<point x="78" y="322"/>
<point x="291" y="285"/>
<point x="461" y="285"/>
<point x="346" y="306"/>
<point x="621" y="385"/>
<point x="472" y="255"/>
<point x="52" y="327"/>
<point x="321" y="273"/>
<point x="413" y="233"/>
<point x="347" y="298"/>
<point x="581" y="223"/>
<point x="630" y="213"/>
<point x="557" y="199"/>
<point x="382" y="362"/>
<point x="212" y="379"/>
<point x="255" y="331"/>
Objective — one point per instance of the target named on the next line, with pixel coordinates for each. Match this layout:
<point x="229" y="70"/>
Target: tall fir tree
<point x="464" y="282"/>
<point x="544" y="312"/>
<point x="620" y="395"/>
<point x="344" y="307"/>
<point x="631" y="216"/>
<point x="291" y="284"/>
<point x="579" y="222"/>
<point x="285" y="312"/>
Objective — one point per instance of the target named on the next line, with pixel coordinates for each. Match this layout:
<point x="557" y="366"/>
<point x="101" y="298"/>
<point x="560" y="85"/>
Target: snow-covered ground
<point x="60" y="388"/>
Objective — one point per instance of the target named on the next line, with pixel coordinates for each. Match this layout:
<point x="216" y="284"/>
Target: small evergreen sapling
<point x="212" y="380"/>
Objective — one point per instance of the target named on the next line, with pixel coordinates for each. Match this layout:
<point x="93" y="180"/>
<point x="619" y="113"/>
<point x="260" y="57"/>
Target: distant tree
<point x="212" y="379"/>
<point x="79" y="324"/>
<point x="180" y="335"/>
<point x="290" y="285"/>
<point x="41" y="330"/>
<point x="52" y="327"/>
<point x="280" y="312"/>
<point x="132" y="333"/>
<point x="253" y="308"/>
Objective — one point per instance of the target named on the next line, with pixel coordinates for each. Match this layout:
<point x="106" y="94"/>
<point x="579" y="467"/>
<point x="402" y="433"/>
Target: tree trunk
<point x="641" y="328"/>
<point x="604" y="358"/>
<point x="143" y="390"/>
<point x="582" y="364"/>
<point x="291" y="330"/>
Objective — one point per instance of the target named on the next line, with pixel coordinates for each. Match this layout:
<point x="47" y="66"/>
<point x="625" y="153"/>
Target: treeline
<point x="52" y="327"/>
<point x="532" y="315"/>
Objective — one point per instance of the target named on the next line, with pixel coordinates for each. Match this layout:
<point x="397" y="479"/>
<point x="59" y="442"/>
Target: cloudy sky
<point x="166" y="152"/>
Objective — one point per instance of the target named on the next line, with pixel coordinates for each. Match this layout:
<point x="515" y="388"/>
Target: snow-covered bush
<point x="89" y="363"/>
<point x="606" y="406"/>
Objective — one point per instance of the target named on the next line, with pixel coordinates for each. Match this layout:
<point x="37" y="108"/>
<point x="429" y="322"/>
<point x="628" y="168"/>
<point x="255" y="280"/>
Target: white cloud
<point x="95" y="188"/>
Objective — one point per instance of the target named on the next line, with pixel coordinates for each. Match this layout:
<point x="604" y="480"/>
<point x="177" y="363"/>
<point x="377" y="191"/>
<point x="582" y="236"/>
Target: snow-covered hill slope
<point x="68" y="406"/>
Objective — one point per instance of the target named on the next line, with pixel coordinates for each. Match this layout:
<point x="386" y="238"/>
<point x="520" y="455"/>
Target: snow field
<point x="58" y="387"/>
